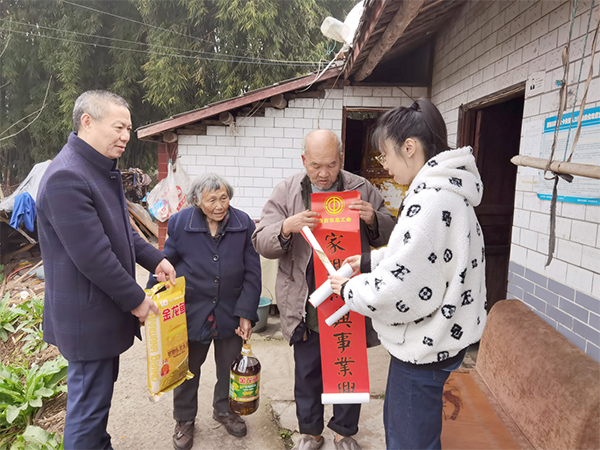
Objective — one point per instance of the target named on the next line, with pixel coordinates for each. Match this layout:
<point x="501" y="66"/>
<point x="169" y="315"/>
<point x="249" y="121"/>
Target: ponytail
<point x="422" y="121"/>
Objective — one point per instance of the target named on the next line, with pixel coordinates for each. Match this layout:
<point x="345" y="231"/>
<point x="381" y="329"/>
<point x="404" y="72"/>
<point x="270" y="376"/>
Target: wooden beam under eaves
<point x="363" y="38"/>
<point x="408" y="10"/>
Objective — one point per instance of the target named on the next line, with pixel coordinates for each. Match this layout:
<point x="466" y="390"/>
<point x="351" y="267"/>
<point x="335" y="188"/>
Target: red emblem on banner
<point x="343" y="345"/>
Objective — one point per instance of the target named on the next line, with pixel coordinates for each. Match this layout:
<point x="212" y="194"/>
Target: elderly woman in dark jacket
<point x="209" y="244"/>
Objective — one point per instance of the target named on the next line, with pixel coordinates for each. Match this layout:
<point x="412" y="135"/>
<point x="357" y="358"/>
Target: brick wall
<point x="492" y="46"/>
<point x="570" y="311"/>
<point x="263" y="151"/>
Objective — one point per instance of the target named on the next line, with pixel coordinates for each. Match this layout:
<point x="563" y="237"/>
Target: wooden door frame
<point x="468" y="123"/>
<point x="469" y="129"/>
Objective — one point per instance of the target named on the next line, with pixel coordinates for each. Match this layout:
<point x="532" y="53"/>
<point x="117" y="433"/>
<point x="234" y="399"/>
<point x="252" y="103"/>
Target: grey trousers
<point x="185" y="396"/>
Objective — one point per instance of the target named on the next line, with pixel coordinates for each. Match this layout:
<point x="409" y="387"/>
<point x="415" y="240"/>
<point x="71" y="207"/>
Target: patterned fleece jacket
<point x="426" y="291"/>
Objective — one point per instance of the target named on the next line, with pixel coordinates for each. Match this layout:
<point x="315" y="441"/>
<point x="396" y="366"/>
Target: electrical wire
<point x="37" y="26"/>
<point x="168" y="31"/>
<point x="39" y="113"/>
<point x="153" y="52"/>
<point x="135" y="21"/>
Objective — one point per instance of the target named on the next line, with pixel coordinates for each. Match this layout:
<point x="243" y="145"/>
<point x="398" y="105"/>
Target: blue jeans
<point x="412" y="411"/>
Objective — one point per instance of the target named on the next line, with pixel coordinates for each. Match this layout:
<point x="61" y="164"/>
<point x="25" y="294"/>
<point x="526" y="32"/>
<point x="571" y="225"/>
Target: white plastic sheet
<point x="31" y="184"/>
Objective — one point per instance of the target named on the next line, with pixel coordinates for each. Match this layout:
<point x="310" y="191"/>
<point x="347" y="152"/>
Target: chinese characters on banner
<point x="343" y="345"/>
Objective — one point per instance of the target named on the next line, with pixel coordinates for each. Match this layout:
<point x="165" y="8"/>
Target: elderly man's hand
<point x="295" y="223"/>
<point x="165" y="271"/>
<point x="245" y="329"/>
<point x="144" y="308"/>
<point x="365" y="211"/>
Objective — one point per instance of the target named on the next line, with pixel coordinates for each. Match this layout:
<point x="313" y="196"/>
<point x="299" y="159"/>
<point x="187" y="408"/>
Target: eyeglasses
<point x="380" y="159"/>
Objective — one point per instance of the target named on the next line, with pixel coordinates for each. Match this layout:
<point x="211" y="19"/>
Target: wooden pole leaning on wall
<point x="581" y="170"/>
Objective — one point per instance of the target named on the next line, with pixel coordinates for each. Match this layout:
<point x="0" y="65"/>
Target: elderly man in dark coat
<point x="93" y="305"/>
<point x="210" y="244"/>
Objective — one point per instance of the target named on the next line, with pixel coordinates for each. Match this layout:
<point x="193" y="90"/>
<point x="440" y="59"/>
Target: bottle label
<point x="244" y="388"/>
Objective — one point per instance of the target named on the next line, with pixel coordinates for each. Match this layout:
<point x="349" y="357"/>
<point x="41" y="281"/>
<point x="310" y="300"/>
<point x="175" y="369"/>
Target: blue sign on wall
<point x="582" y="190"/>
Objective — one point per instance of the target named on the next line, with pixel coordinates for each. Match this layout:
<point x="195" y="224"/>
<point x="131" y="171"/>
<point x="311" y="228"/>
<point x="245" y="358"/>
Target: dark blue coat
<point x="89" y="252"/>
<point x="224" y="278"/>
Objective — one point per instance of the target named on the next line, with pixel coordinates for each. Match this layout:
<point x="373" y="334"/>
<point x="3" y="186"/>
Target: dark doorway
<point x="359" y="155"/>
<point x="493" y="129"/>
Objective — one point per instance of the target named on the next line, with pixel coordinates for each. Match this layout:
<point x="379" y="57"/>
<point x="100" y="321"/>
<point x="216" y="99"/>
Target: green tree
<point x="164" y="57"/>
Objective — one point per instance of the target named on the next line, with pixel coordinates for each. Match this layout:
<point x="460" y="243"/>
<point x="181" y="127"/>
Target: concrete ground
<point x="136" y="422"/>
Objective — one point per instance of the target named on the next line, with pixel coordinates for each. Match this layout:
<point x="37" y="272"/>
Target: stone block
<point x="266" y="142"/>
<point x="561" y="289"/>
<point x="540" y="27"/>
<point x="573" y="310"/>
<point x="559" y="316"/>
<point x="294" y="113"/>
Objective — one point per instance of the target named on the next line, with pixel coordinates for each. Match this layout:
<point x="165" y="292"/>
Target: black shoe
<point x="183" y="439"/>
<point x="234" y="424"/>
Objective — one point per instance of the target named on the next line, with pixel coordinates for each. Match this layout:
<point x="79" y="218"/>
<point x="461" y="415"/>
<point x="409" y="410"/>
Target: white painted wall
<point x="494" y="45"/>
<point x="263" y="151"/>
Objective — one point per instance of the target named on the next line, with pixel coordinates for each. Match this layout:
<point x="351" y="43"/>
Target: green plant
<point x="35" y="438"/>
<point x="30" y="323"/>
<point x="7" y="317"/>
<point x="33" y="338"/>
<point x="285" y="434"/>
<point x="1" y="273"/>
<point x="32" y="312"/>
<point x="22" y="390"/>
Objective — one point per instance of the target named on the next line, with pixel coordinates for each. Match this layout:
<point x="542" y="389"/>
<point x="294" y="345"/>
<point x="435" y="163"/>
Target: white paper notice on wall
<point x="535" y="84"/>
<point x="531" y="143"/>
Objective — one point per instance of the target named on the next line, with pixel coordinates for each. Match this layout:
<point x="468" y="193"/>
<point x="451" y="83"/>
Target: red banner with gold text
<point x="343" y="345"/>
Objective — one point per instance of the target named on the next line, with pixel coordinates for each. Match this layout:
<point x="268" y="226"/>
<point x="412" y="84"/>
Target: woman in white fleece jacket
<point x="425" y="291"/>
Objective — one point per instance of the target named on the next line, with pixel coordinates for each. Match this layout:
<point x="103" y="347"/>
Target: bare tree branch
<point x="39" y="111"/>
<point x="6" y="46"/>
<point x="20" y="120"/>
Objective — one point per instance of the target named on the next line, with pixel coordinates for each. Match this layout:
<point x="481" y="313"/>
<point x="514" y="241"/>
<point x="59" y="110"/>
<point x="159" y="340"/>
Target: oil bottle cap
<point x="246" y="348"/>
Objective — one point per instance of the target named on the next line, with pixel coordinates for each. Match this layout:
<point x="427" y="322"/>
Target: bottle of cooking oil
<point x="244" y="382"/>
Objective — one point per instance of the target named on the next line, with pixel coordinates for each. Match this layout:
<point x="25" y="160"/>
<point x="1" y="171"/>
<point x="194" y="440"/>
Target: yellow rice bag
<point x="166" y="339"/>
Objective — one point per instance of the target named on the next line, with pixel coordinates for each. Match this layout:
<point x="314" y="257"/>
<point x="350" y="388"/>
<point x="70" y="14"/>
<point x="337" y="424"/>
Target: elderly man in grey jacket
<point x="276" y="236"/>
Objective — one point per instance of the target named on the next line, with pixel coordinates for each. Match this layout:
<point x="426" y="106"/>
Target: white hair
<point x="210" y="182"/>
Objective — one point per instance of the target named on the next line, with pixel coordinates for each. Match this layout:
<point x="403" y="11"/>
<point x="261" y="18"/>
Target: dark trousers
<point x="307" y="391"/>
<point x="185" y="396"/>
<point x="90" y="386"/>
